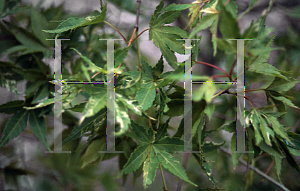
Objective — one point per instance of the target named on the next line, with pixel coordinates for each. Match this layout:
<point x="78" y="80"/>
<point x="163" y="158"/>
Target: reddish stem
<point x="227" y="2"/>
<point x="217" y="76"/>
<point x="231" y="70"/>
<point x="140" y="34"/>
<point x="216" y="67"/>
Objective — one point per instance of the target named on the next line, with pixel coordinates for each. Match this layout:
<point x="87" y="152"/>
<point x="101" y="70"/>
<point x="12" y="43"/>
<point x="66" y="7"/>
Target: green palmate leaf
<point x="14" y="10"/>
<point x="94" y="105"/>
<point x="251" y="5"/>
<point x="180" y="129"/>
<point x="263" y="128"/>
<point x="201" y="129"/>
<point x="141" y="135"/>
<point x="255" y="121"/>
<point x="147" y="71"/>
<point x="228" y="25"/>
<point x="30" y="74"/>
<point x="164" y="37"/>
<point x="172" y="164"/>
<point x="28" y="40"/>
<point x="146" y="95"/>
<point x="205" y="91"/>
<point x="11" y="85"/>
<point x="162" y="131"/>
<point x="129" y="104"/>
<point x="42" y="92"/>
<point x="79" y="107"/>
<point x="15" y="125"/>
<point x="176" y="107"/>
<point x="158" y="68"/>
<point x="209" y="146"/>
<point x="11" y="107"/>
<point x="230" y="127"/>
<point x="161" y="105"/>
<point x="122" y="117"/>
<point x="204" y="23"/>
<point x="136" y="159"/>
<point x="194" y="14"/>
<point x="213" y="30"/>
<point x="120" y="55"/>
<point x="289" y="157"/>
<point x="209" y="109"/>
<point x="150" y="166"/>
<point x="277" y="127"/>
<point x="41" y="104"/>
<point x="278" y="166"/>
<point x="33" y="86"/>
<point x="38" y="23"/>
<point x="295" y="138"/>
<point x="284" y="100"/>
<point x="266" y="69"/>
<point x="91" y="155"/>
<point x="160" y="41"/>
<point x="280" y="85"/>
<point x="166" y="18"/>
<point x="92" y="66"/>
<point x="2" y="5"/>
<point x="86" y="124"/>
<point x="177" y="7"/>
<point x="226" y="45"/>
<point x="271" y="150"/>
<point x="169" y="144"/>
<point x="231" y="7"/>
<point x="207" y="169"/>
<point x="74" y="22"/>
<point x="157" y="12"/>
<point x="39" y="127"/>
<point x="174" y="30"/>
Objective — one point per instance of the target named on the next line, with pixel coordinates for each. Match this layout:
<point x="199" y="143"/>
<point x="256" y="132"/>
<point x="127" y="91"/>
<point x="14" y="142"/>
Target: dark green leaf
<point x="228" y="25"/>
<point x="39" y="127"/>
<point x="11" y="107"/>
<point x="136" y="159"/>
<point x="15" y="125"/>
<point x="141" y="135"/>
<point x="74" y="22"/>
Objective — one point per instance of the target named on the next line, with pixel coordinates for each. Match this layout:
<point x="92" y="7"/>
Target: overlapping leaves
<point x="164" y="37"/>
<point x="154" y="151"/>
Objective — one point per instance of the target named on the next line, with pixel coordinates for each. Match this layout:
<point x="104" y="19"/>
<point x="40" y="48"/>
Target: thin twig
<point x="137" y="29"/>
<point x="163" y="178"/>
<point x="130" y="41"/>
<point x="231" y="70"/>
<point x="267" y="172"/>
<point x="117" y="31"/>
<point x="252" y="103"/>
<point x="140" y="34"/>
<point x="256" y="170"/>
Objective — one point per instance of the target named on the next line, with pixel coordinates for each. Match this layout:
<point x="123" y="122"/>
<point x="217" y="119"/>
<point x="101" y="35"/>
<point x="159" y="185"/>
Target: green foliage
<point x="147" y="98"/>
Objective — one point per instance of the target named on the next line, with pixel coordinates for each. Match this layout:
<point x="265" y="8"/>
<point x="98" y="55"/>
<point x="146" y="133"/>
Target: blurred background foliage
<point x="30" y="169"/>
